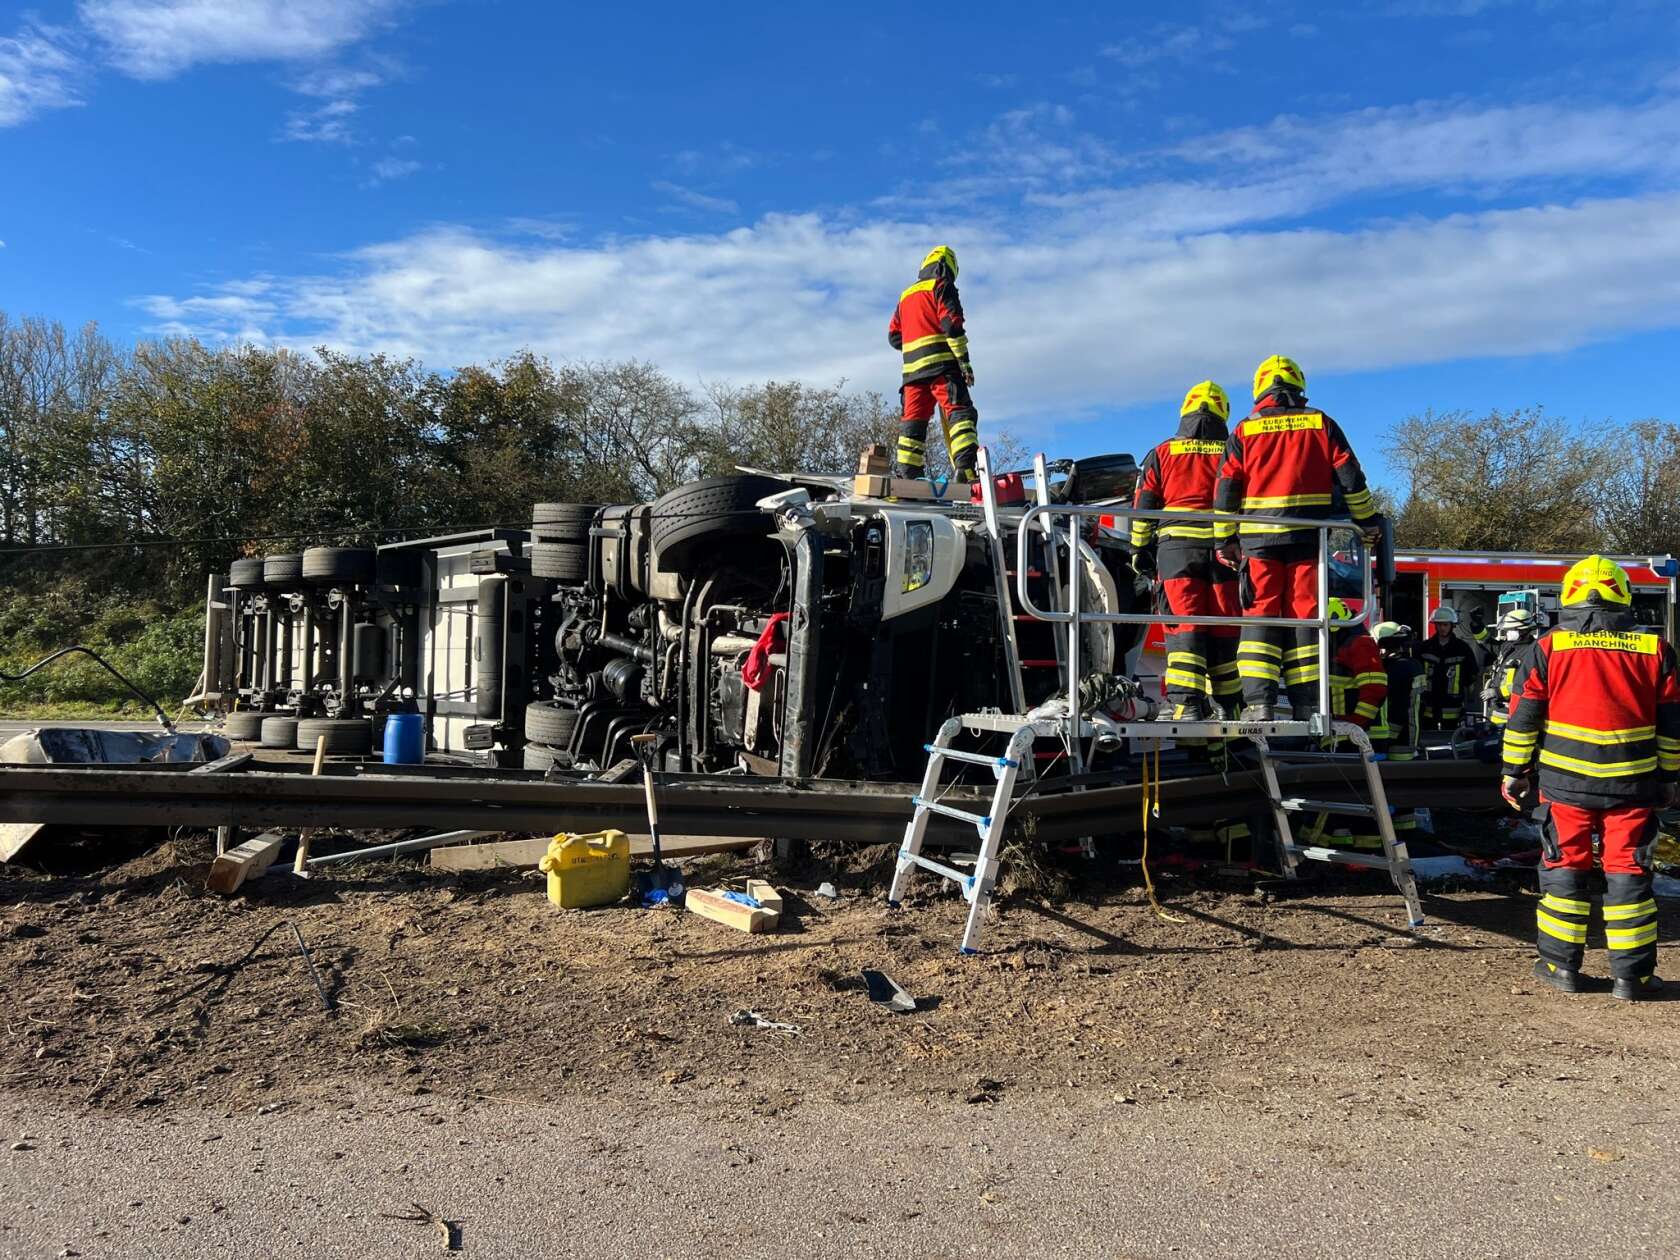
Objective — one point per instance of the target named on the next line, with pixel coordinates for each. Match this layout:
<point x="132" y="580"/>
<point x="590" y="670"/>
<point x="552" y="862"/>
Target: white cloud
<point x="327" y="124"/>
<point x="157" y="39"/>
<point x="37" y="73"/>
<point x="1061" y="320"/>
<point x="387" y="169"/>
<point x="694" y="200"/>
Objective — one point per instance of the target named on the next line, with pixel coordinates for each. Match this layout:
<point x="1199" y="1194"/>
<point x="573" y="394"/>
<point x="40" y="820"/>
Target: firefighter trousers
<point x="1201" y="660"/>
<point x="1626" y="835"/>
<point x="1282" y="583"/>
<point x="962" y="428"/>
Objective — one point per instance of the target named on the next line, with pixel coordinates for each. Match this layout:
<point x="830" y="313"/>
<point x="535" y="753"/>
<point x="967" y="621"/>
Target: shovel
<point x="661" y="884"/>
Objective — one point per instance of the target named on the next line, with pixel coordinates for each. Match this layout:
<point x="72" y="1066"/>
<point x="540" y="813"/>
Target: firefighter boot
<point x="1560" y="921"/>
<point x="1630" y="930"/>
<point x="1636" y="988"/>
<point x="1559" y="978"/>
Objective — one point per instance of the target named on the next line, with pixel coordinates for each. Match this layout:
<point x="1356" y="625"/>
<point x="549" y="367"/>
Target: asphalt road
<point x="1490" y="1176"/>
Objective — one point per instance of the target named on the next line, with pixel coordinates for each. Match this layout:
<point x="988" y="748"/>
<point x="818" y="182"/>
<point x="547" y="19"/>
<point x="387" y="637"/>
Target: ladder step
<point x="1301" y="804"/>
<point x="1309" y="755"/>
<point x="1032" y="573"/>
<point x="972" y="758"/>
<point x="1038" y="663"/>
<point x="1353" y="857"/>
<point x="950" y="811"/>
<point x="965" y="878"/>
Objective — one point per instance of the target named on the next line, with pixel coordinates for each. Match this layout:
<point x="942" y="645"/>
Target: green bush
<point x="158" y="648"/>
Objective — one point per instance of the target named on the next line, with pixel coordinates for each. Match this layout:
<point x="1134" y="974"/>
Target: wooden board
<point x="871" y="487"/>
<point x="241" y="862"/>
<point x="15" y="836"/>
<point x="766" y="894"/>
<point x="478" y="857"/>
<point x="715" y="906"/>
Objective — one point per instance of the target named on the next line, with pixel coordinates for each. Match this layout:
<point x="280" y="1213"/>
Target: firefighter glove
<point x="1516" y="789"/>
<point x="968" y="377"/>
<point x="1143" y="560"/>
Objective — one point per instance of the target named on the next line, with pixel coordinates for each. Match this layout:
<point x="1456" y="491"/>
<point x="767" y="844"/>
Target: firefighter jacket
<point x="1599" y="711"/>
<point x="928" y="327"/>
<point x="1400" y="719"/>
<point x="1449" y="673"/>
<point x="1358" y="681"/>
<point x="1509" y="673"/>
<point x="1287" y="461"/>
<point x="1179" y="476"/>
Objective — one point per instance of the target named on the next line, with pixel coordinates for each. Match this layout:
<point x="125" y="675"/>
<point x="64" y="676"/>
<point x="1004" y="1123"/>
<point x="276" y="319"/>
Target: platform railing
<point x="1075" y="615"/>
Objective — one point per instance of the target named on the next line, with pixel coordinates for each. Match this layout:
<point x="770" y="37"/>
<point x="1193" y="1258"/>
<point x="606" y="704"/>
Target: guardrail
<point x="1076" y="615"/>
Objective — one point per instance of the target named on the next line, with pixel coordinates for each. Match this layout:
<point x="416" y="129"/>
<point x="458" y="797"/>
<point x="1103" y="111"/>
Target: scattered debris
<point x="887" y="992"/>
<point x="449" y="1232"/>
<point x="1604" y="1155"/>
<point x="244" y="861"/>
<point x="984" y="1090"/>
<point x="827" y="891"/>
<point x="752" y="1019"/>
<point x="745" y="912"/>
<point x="326" y="1002"/>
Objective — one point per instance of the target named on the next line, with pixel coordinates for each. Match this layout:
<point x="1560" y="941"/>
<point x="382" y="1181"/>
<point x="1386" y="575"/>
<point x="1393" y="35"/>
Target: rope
<point x="1151" y="801"/>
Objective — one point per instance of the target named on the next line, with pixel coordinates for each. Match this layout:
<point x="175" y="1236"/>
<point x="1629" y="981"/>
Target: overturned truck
<point x="763" y="624"/>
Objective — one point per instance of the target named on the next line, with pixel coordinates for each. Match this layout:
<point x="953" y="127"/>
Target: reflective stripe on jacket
<point x="1179" y="476"/>
<point x="1358" y="681"/>
<point x="1599" y="711"/>
<point x="927" y="327"/>
<point x="1288" y="461"/>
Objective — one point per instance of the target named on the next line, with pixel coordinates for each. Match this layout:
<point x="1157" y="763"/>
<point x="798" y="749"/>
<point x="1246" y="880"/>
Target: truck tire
<point x="705" y="511"/>
<point x="246" y="574"/>
<point x="542" y="757"/>
<point x="562" y="522"/>
<point x="548" y="723"/>
<point x="279" y="732"/>
<point x="353" y="565"/>
<point x="344" y="735"/>
<point x="563" y="562"/>
<point x="282" y="571"/>
<point x="244" y="725"/>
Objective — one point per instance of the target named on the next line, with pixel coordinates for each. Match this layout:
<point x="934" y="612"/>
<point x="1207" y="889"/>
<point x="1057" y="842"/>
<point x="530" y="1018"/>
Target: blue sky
<point x="1447" y="203"/>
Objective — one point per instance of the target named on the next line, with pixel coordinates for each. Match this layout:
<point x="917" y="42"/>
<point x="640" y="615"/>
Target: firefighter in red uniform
<point x="1179" y="476"/>
<point x="1600" y="712"/>
<point x="928" y="328"/>
<point x="1284" y="459"/>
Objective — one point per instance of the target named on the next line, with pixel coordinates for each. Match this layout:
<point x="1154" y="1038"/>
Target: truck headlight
<point x="918" y="555"/>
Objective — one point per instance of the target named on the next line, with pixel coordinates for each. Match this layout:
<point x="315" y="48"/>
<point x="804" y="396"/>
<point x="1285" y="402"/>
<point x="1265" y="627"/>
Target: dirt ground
<point x="131" y="987"/>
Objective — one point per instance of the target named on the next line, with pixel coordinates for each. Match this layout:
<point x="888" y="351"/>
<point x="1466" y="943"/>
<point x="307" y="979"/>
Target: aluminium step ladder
<point x="1395" y="857"/>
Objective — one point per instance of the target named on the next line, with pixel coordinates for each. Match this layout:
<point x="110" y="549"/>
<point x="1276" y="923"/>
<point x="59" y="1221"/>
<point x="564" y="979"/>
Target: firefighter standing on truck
<point x="1600" y="713"/>
<point x="1284" y="459"/>
<point x="928" y="328"/>
<point x="1179" y="476"/>
<point x="1449" y="671"/>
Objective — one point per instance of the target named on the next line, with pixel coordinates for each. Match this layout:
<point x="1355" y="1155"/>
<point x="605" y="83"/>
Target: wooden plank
<point x="720" y="909"/>
<point x="766" y="894"/>
<point x="874" y="487"/>
<point x="478" y="857"/>
<point x="300" y="866"/>
<point x="15" y="837"/>
<point x="243" y="861"/>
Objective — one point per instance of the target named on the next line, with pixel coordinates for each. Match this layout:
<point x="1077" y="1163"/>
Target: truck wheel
<point x="354" y="565"/>
<point x="548" y="723"/>
<point x="282" y="571"/>
<point x="344" y="735"/>
<point x="246" y="574"/>
<point x="562" y="522"/>
<point x="279" y="732"/>
<point x="542" y="757"/>
<point x="563" y="562"/>
<point x="244" y="725"/>
<point x="705" y="511"/>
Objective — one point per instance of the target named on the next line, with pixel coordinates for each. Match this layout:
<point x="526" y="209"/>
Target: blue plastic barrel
<point x="405" y="739"/>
